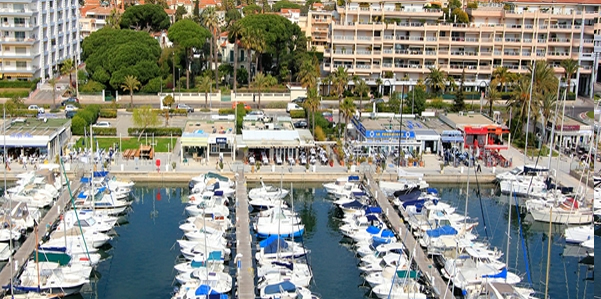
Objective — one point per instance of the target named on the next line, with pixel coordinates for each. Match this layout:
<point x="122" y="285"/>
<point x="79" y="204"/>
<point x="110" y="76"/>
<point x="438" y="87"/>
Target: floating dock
<point x="244" y="258"/>
<point x="424" y="264"/>
<point x="24" y="252"/>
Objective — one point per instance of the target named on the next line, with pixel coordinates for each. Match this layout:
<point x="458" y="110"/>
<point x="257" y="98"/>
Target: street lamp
<point x="482" y="95"/>
<point x="179" y="83"/>
<point x="400" y="133"/>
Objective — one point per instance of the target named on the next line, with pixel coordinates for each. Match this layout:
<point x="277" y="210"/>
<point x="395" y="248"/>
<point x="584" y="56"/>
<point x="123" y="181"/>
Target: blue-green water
<point x="140" y="263"/>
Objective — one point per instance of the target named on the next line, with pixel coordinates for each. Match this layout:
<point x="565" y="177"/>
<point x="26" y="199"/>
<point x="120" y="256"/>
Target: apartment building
<point x="37" y="35"/>
<point x="316" y="26"/>
<point x="400" y="41"/>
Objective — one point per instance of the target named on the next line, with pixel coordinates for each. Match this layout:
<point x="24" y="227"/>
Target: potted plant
<point x="221" y="165"/>
<point x="173" y="165"/>
<point x="258" y="166"/>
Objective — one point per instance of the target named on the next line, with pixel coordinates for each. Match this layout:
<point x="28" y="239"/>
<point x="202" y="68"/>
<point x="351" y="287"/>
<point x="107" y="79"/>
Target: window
<point x="19" y="7"/>
<point x="231" y="55"/>
<point x="21" y="64"/>
<point x="20" y="35"/>
<point x="6" y="48"/>
<point x="5" y="20"/>
<point x="21" y="50"/>
<point x="19" y="22"/>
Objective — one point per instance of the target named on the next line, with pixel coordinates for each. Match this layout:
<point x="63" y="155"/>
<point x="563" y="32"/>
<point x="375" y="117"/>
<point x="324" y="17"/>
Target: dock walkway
<point x="425" y="265"/>
<point x="246" y="277"/>
<point x="27" y="248"/>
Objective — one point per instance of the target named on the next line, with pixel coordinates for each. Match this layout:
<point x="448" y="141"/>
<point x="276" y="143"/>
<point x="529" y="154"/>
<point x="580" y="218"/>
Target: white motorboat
<point x="285" y="290"/>
<point x="102" y="202"/>
<point x="275" y="247"/>
<point x="263" y="203"/>
<point x="199" y="262"/>
<point x="51" y="281"/>
<point x="523" y="172"/>
<point x="209" y="204"/>
<point x="589" y="244"/>
<point x="205" y="178"/>
<point x="219" y="280"/>
<point x="22" y="216"/>
<point x="301" y="279"/>
<point x="579" y="234"/>
<point x="267" y="192"/>
<point x="343" y="186"/>
<point x="523" y="186"/>
<point x="278" y="222"/>
<point x="90" y="238"/>
<point x="87" y="221"/>
<point x="31" y="196"/>
<point x="400" y="289"/>
<point x="196" y="290"/>
<point x="500" y="290"/>
<point x="71" y="269"/>
<point x="391" y="259"/>
<point x="403" y="184"/>
<point x="361" y="223"/>
<point x="191" y="253"/>
<point x="5" y="251"/>
<point x="568" y="212"/>
<point x="199" y="222"/>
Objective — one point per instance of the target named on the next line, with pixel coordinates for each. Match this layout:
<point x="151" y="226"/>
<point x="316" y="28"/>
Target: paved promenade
<point x="246" y="276"/>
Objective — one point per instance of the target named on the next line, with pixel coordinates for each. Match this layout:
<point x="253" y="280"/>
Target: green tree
<point x="459" y="102"/>
<point x="234" y="34"/>
<point x="113" y="20"/>
<point x="312" y="104"/>
<point x="147" y="17"/>
<point x="180" y="12"/>
<point x="341" y="78"/>
<point x="251" y="9"/>
<point x="145" y="117"/>
<point x="519" y="102"/>
<point x="418" y="99"/>
<point x="204" y="84"/>
<point x="261" y="82"/>
<point x="347" y="108"/>
<point x="231" y="16"/>
<point x="196" y="12"/>
<point x="53" y="82"/>
<point x="282" y="4"/>
<point x="308" y="74"/>
<point x="436" y="80"/>
<point x="67" y="68"/>
<point x="570" y="67"/>
<point x="361" y="88"/>
<point x="130" y="83"/>
<point x="210" y="20"/>
<point x="502" y="75"/>
<point x="167" y="101"/>
<point x="187" y="35"/>
<point x="493" y="96"/>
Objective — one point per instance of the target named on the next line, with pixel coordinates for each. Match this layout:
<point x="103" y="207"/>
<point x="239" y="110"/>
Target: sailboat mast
<point x="508" y="227"/>
<point x="553" y="128"/>
<point x="529" y="103"/>
<point x="10" y="202"/>
<point x="467" y="192"/>
<point x="549" y="252"/>
<point x="37" y="258"/>
<point x="92" y="168"/>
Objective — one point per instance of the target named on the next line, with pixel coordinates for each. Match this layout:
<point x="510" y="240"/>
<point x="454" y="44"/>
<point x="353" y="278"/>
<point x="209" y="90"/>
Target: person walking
<point x="25" y="162"/>
<point x="479" y="168"/>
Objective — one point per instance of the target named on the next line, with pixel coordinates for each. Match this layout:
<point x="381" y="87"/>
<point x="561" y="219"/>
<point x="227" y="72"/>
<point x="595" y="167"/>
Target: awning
<point x="21" y="75"/>
<point x="194" y="141"/>
<point x="449" y="139"/>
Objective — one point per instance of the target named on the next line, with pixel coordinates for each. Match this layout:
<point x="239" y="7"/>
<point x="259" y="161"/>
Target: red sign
<point x="568" y="127"/>
<point x="158" y="162"/>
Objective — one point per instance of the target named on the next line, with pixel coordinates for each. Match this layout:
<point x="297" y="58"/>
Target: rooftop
<point x="29" y="127"/>
<point x="277" y="124"/>
<point x="200" y="127"/>
<point x="459" y="121"/>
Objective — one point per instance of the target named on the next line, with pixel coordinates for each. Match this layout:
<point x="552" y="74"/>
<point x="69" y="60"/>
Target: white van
<point x="293" y="106"/>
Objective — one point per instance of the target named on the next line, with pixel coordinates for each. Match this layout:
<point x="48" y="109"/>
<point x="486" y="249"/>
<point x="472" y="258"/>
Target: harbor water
<point x="139" y="262"/>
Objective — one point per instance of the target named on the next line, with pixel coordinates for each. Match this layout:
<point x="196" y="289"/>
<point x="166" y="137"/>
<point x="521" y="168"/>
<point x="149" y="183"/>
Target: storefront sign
<point x="568" y="127"/>
<point x="221" y="140"/>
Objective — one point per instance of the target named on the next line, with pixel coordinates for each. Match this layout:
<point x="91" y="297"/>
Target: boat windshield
<point x="516" y="171"/>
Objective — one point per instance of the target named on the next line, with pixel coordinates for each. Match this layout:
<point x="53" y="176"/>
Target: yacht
<point x="579" y="234"/>
<point x="343" y="186"/>
<point x="275" y="247"/>
<point x="279" y="222"/>
<point x="567" y="212"/>
<point x="285" y="290"/>
<point x="267" y="192"/>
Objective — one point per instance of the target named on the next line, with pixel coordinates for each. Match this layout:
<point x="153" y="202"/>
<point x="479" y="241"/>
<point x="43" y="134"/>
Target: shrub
<point x="276" y="105"/>
<point x="91" y="87"/>
<point x="25" y="112"/>
<point x="226" y="111"/>
<point x="18" y="84"/>
<point x="55" y="110"/>
<point x="298" y="114"/>
<point x="319" y="134"/>
<point x="87" y="115"/>
<point x="153" y="86"/>
<point x="156" y="131"/>
<point x="78" y="125"/>
<point x="104" y="131"/>
<point x="12" y="94"/>
<point x="108" y="113"/>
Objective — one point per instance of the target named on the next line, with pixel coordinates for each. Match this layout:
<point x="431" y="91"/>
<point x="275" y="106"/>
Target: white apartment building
<point x="400" y="41"/>
<point x="37" y="35"/>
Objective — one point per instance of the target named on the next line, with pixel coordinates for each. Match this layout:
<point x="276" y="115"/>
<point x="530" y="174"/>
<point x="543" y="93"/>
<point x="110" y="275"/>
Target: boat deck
<point x="426" y="266"/>
<point x="27" y="248"/>
<point x="246" y="273"/>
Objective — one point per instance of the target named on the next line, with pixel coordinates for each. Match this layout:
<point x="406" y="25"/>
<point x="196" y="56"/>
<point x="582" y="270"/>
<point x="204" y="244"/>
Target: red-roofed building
<point x="291" y="14"/>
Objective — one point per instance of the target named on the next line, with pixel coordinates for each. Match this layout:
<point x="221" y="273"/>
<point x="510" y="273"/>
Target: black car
<point x="301" y="124"/>
<point x="69" y="101"/>
<point x="70" y="114"/>
<point x="299" y="100"/>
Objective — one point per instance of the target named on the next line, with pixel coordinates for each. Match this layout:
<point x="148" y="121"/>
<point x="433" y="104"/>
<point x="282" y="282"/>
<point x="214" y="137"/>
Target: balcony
<point x="320" y="21"/>
<point x="408" y="66"/>
<point x="560" y="54"/>
<point x="464" y="53"/>
<point x="513" y="40"/>
<point x="561" y="27"/>
<point x="511" y="53"/>
<point x="363" y="38"/>
<point x="18" y="40"/>
<point x="559" y="41"/>
<point x="412" y="12"/>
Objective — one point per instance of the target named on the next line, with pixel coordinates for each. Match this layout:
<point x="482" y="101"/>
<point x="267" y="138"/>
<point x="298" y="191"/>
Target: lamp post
<point x="482" y="95"/>
<point x="412" y="99"/>
<point x="180" y="85"/>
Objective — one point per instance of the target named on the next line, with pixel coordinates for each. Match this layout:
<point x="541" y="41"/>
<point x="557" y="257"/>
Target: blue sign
<point x="221" y="140"/>
<point x="386" y="134"/>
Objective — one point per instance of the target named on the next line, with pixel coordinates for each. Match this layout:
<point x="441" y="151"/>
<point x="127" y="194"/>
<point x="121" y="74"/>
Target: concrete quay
<point x="244" y="258"/>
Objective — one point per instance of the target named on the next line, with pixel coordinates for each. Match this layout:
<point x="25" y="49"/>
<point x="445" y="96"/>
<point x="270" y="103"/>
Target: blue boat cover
<point x="82" y="195"/>
<point x="377" y="241"/>
<point x="212" y="175"/>
<point x="414" y="194"/>
<point x="358" y="194"/>
<point x="353" y="204"/>
<point x="431" y="190"/>
<point x="414" y="202"/>
<point x="286" y="286"/>
<point x="373" y="230"/>
<point x="352" y="178"/>
<point x="502" y="274"/>
<point x="373" y="210"/>
<point x="387" y="233"/>
<point x="284" y="264"/>
<point x="418" y="207"/>
<point x="271" y="245"/>
<point x="197" y="264"/>
<point x="214" y="256"/>
<point x="85" y="180"/>
<point x="102" y="189"/>
<point x="446" y="230"/>
<point x="372" y="217"/>
<point x="205" y="290"/>
<point x="218" y="193"/>
<point x="100" y="174"/>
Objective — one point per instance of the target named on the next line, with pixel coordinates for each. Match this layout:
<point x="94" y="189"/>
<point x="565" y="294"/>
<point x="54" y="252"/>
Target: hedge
<point x="227" y="111"/>
<point x="32" y="85"/>
<point x="297" y="114"/>
<point x="12" y="94"/>
<point x="108" y="113"/>
<point x="84" y="118"/>
<point x="104" y="131"/>
<point x="25" y="112"/>
<point x="169" y="131"/>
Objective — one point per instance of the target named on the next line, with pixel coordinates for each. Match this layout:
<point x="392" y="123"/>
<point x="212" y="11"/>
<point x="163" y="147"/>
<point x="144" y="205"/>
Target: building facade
<point x="37" y="36"/>
<point x="399" y="42"/>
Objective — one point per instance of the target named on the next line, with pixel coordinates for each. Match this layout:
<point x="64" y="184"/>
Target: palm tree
<point x="258" y="46"/>
<point x="67" y="68"/>
<point x="312" y="104"/>
<point x="307" y="74"/>
<point x="204" y="84"/>
<point x="246" y="41"/>
<point x="502" y="75"/>
<point x="570" y="67"/>
<point x="361" y="88"/>
<point x="329" y="79"/>
<point x="544" y="79"/>
<point x="210" y="20"/>
<point x="234" y="33"/>
<point x="341" y="78"/>
<point x="347" y="108"/>
<point x="131" y="83"/>
<point x="378" y="84"/>
<point x="261" y="81"/>
<point x="519" y="102"/>
<point x="493" y="95"/>
<point x="53" y="83"/>
<point x="436" y="80"/>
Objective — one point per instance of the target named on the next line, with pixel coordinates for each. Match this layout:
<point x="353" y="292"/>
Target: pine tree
<point x="459" y="102"/>
<point x="196" y="12"/>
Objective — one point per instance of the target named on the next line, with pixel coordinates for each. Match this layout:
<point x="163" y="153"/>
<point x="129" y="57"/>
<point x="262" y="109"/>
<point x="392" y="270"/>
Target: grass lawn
<point x="14" y="89"/>
<point x="532" y="152"/>
<point x="590" y="114"/>
<point x="162" y="144"/>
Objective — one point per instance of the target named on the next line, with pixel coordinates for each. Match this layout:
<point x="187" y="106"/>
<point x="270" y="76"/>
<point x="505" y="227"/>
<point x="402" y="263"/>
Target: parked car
<point x="301" y="124"/>
<point x="70" y="108"/>
<point x="70" y="114"/>
<point x="299" y="100"/>
<point x="102" y="124"/>
<point x="70" y="101"/>
<point x="246" y="106"/>
<point x="186" y="107"/>
<point x="293" y="106"/>
<point x="35" y="107"/>
<point x="328" y="116"/>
